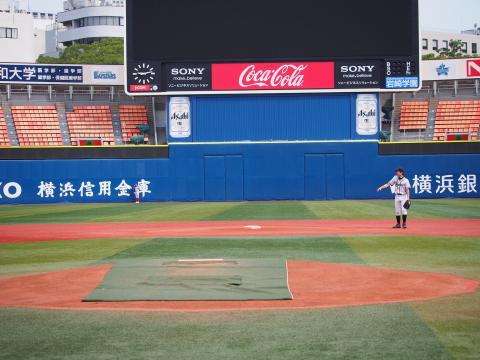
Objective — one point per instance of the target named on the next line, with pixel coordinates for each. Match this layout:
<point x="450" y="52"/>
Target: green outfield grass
<point x="298" y="210"/>
<point x="441" y="329"/>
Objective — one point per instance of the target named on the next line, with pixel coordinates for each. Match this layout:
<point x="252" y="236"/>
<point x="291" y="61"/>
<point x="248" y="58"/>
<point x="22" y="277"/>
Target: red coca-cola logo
<point x="285" y="75"/>
<point x="273" y="76"/>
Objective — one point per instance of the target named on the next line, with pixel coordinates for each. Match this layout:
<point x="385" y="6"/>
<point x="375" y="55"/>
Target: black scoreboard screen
<point x="237" y="46"/>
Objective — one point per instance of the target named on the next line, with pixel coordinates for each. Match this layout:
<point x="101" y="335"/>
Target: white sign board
<point x="437" y="70"/>
<point x="179" y="124"/>
<point x="367" y="119"/>
<point x="110" y="75"/>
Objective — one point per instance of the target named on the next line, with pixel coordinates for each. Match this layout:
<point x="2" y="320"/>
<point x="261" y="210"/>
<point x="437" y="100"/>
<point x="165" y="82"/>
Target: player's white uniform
<point x="136" y="190"/>
<point x="399" y="187"/>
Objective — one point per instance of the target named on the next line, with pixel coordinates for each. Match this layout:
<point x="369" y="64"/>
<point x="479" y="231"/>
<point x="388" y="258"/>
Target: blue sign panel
<point x="294" y="171"/>
<point x="17" y="73"/>
<point x="405" y="82"/>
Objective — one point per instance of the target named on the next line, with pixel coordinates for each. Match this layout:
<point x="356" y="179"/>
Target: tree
<point x="430" y="56"/>
<point x="107" y="51"/>
<point x="454" y="50"/>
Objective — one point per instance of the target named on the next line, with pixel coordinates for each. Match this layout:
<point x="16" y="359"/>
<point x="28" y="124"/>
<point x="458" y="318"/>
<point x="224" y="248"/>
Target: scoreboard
<point x="184" y="47"/>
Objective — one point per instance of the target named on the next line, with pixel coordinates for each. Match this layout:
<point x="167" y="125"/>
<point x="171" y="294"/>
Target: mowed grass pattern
<point x="301" y="210"/>
<point x="441" y="329"/>
<point x="392" y="332"/>
<point x="325" y="249"/>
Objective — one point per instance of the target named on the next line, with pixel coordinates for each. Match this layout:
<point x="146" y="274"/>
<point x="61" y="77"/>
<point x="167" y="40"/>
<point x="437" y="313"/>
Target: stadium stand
<point x="4" y="140"/>
<point x="414" y="115"/>
<point x="91" y="124"/>
<point x="37" y="125"/>
<point x="457" y="120"/>
<point x="132" y="116"/>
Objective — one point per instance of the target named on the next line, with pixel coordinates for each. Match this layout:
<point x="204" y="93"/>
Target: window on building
<point x="435" y="45"/>
<point x="474" y="48"/>
<point x="425" y="44"/>
<point x="8" y="33"/>
<point x="464" y="47"/>
<point x="101" y="20"/>
<point x="445" y="45"/>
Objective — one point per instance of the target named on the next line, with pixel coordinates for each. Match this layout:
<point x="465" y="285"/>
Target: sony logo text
<point x="188" y="71"/>
<point x="357" y="68"/>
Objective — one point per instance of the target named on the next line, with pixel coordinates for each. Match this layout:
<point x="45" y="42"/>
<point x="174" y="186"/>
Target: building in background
<point x="22" y="32"/>
<point x="87" y="21"/>
<point x="438" y="40"/>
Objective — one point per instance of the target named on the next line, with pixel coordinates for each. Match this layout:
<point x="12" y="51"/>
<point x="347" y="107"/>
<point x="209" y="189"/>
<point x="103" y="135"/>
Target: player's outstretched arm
<point x="383" y="187"/>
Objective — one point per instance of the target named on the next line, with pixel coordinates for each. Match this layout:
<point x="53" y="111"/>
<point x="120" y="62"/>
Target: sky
<point x="453" y="15"/>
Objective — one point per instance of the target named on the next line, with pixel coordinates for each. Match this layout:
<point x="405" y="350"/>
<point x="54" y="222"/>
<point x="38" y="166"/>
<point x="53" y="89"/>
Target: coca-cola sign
<point x="273" y="76"/>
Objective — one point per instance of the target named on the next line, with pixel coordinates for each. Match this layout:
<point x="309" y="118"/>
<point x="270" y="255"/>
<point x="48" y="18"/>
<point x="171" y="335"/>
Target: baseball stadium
<point x="243" y="200"/>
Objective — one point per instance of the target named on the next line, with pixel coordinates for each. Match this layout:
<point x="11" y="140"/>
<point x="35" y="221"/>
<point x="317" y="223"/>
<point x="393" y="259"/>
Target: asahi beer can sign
<point x="179" y="118"/>
<point x="367" y="119"/>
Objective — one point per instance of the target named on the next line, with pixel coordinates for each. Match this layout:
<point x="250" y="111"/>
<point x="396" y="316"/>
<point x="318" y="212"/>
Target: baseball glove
<point x="407" y="204"/>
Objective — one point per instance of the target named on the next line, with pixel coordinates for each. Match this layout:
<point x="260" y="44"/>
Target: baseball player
<point x="136" y="191"/>
<point x="401" y="187"/>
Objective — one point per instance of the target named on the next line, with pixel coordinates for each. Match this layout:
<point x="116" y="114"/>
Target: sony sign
<point x="181" y="77"/>
<point x="187" y="71"/>
<point x="355" y="69"/>
<point x="361" y="74"/>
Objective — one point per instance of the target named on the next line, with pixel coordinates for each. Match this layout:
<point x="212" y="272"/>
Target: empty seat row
<point x="414" y="115"/>
<point x="457" y="118"/>
<point x="4" y="140"/>
<point x="132" y="116"/>
<point x="91" y="123"/>
<point x="37" y="125"/>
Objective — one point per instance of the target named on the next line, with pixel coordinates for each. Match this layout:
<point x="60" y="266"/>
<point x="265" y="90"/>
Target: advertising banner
<point x="188" y="77"/>
<point x="112" y="75"/>
<point x="364" y="74"/>
<point x="367" y="119"/>
<point x="458" y="69"/>
<point x="273" y="76"/>
<point x="41" y="74"/>
<point x="51" y="74"/>
<point x="179" y="118"/>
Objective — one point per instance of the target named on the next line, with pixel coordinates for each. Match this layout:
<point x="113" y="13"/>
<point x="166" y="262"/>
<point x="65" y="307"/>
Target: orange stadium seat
<point x="131" y="116"/>
<point x="91" y="122"/>
<point x="37" y="125"/>
<point x="457" y="118"/>
<point x="414" y="115"/>
<point x="4" y="140"/>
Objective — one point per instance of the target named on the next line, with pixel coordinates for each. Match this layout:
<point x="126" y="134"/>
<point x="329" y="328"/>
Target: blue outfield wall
<point x="242" y="171"/>
<point x="273" y="118"/>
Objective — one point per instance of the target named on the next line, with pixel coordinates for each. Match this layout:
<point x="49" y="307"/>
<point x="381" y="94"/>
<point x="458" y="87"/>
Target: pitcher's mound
<point x="314" y="285"/>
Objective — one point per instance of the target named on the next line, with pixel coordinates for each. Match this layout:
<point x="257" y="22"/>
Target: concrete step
<point x="62" y="120"/>
<point x="12" y="131"/>
<point x="117" y="125"/>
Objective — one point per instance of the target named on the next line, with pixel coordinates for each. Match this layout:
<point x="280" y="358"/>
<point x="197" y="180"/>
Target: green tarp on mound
<point x="194" y="279"/>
